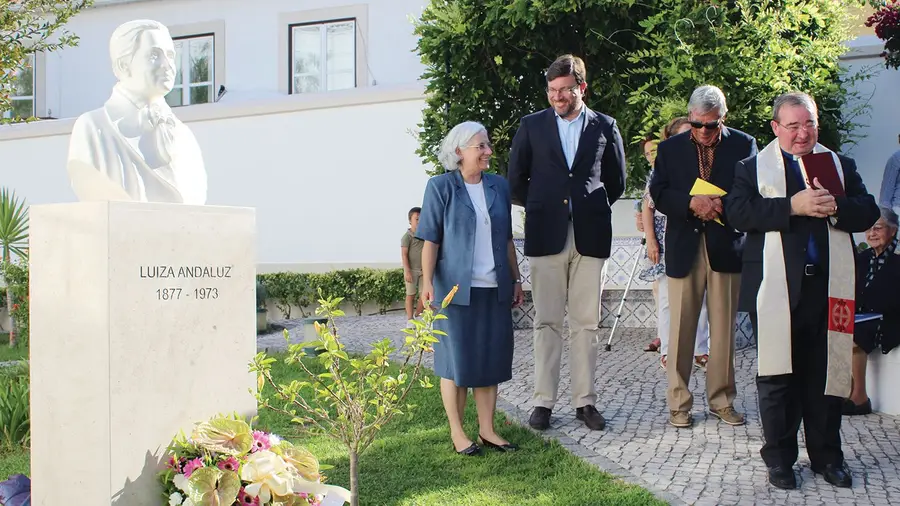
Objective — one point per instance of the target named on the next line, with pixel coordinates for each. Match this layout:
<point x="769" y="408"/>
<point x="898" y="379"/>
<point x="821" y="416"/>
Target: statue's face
<point x="151" y="72"/>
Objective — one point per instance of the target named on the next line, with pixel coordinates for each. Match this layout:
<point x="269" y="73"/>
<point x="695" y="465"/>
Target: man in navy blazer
<point x="567" y="168"/>
<point x="703" y="252"/>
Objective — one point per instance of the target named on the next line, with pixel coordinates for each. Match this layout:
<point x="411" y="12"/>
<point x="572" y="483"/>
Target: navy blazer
<point x="749" y="212"/>
<point x="448" y="218"/>
<point x="540" y="180"/>
<point x="676" y="169"/>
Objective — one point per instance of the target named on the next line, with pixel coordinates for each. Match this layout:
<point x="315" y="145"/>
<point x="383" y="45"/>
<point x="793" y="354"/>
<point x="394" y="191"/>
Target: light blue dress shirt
<point x="890" y="189"/>
<point x="569" y="134"/>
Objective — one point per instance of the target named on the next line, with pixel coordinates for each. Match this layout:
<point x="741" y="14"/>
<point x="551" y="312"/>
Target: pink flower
<point x="243" y="498"/>
<point x="174" y="464"/>
<point x="312" y="500"/>
<point x="191" y="466"/>
<point x="260" y="441"/>
<point x="229" y="464"/>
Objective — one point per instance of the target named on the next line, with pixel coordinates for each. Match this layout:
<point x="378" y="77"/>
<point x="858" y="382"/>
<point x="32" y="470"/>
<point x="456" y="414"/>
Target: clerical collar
<point x="790" y="156"/>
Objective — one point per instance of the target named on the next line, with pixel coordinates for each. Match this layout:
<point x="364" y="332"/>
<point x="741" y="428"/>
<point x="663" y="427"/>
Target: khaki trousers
<point x="554" y="279"/>
<point x="685" y="300"/>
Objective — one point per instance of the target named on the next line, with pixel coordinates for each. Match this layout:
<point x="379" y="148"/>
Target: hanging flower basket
<point x="886" y="21"/>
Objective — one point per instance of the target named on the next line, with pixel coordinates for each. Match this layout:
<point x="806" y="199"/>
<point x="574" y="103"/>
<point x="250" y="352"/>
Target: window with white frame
<point x="323" y="56"/>
<point x="194" y="74"/>
<point x="22" y="91"/>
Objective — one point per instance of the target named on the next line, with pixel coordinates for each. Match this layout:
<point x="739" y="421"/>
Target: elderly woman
<point x="877" y="278"/>
<point x="655" y="271"/>
<point x="467" y="228"/>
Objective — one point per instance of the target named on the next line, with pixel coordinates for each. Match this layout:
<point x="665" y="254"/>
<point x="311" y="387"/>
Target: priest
<point x="798" y="286"/>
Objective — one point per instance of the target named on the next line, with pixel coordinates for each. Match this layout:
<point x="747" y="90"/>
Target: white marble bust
<point x="133" y="148"/>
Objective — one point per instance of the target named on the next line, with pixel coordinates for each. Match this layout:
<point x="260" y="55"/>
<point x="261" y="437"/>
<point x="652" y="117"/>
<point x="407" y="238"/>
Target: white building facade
<point x="305" y="110"/>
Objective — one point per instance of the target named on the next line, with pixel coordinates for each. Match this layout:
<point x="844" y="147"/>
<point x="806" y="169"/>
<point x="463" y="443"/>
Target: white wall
<point x="881" y="126"/>
<point x="331" y="181"/>
<point x="79" y="78"/>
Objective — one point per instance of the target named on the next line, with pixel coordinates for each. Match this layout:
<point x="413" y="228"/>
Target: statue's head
<point x="143" y="58"/>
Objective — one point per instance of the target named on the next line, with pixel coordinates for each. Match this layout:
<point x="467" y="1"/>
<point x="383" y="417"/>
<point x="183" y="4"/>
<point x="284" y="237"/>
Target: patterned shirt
<point x="706" y="155"/>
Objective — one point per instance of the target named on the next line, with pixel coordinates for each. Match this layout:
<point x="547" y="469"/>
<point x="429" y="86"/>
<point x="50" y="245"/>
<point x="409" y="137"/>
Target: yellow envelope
<point x="702" y="187"/>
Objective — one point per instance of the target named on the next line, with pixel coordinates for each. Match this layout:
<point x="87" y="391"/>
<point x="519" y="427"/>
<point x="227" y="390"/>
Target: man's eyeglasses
<point x="712" y="125"/>
<point x="568" y="90"/>
<point x="795" y="127"/>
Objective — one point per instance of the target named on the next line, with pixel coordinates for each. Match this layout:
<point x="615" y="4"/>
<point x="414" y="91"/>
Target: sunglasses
<point x="712" y="125"/>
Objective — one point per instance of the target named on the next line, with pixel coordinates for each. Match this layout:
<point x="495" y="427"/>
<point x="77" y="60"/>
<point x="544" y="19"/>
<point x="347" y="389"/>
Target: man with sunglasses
<point x="567" y="168"/>
<point x="703" y="252"/>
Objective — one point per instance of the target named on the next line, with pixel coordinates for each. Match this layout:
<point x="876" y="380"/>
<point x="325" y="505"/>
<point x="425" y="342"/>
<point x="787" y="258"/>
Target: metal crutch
<point x="625" y="295"/>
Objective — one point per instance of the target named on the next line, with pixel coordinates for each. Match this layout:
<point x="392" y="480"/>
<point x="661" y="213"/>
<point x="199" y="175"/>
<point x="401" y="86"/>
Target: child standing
<point x="411" y="257"/>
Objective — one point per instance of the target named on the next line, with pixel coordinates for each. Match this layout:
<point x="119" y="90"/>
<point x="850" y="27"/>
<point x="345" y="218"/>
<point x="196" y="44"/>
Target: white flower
<point x="175" y="499"/>
<point x="268" y="474"/>
<point x="274" y="440"/>
<point x="180" y="481"/>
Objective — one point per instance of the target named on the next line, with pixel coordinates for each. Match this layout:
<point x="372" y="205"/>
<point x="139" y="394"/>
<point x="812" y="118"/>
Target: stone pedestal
<point x="142" y="323"/>
<point x="882" y="378"/>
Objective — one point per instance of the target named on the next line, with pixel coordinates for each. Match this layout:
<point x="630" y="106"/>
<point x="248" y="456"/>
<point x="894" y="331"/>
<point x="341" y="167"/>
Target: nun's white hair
<point x="459" y="137"/>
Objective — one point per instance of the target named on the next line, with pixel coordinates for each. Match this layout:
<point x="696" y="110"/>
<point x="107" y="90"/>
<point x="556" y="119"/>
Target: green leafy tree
<point x="485" y="60"/>
<point x="754" y="50"/>
<point x="350" y="398"/>
<point x="28" y="27"/>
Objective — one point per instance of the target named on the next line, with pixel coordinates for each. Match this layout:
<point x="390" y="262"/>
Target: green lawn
<point x="413" y="463"/>
<point x="6" y="353"/>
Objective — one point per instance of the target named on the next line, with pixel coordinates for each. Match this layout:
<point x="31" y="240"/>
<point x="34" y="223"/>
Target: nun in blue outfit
<point x="467" y="228"/>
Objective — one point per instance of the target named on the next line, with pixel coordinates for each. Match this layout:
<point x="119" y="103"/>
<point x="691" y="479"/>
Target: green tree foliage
<point x="485" y="61"/>
<point x="28" y="27"/>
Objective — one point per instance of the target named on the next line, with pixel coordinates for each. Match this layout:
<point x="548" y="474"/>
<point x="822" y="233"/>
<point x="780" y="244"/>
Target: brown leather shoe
<point x="680" y="419"/>
<point x="728" y="415"/>
<point x="591" y="417"/>
<point x="540" y="418"/>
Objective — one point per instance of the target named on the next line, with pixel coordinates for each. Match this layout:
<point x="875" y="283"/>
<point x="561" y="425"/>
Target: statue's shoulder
<point x="90" y="122"/>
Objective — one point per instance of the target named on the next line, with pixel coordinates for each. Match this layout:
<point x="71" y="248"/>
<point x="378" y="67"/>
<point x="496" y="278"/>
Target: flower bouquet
<point x="226" y="463"/>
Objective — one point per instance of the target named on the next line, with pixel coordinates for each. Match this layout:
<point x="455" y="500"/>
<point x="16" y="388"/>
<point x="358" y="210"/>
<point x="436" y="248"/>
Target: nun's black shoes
<point x="508" y="447"/>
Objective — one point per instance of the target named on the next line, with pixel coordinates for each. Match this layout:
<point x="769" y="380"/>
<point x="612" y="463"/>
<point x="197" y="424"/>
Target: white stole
<point x="773" y="302"/>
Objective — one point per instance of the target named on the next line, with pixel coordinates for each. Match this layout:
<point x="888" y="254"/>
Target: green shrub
<point x="15" y="425"/>
<point x="358" y="287"/>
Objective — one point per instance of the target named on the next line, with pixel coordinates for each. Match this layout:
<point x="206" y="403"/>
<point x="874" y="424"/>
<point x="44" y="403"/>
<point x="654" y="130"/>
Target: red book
<point x="821" y="166"/>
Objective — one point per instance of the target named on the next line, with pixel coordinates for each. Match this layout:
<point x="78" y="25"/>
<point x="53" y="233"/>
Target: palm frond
<point x="13" y="224"/>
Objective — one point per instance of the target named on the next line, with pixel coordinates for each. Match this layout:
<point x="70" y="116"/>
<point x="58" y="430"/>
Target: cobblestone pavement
<point x="708" y="464"/>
